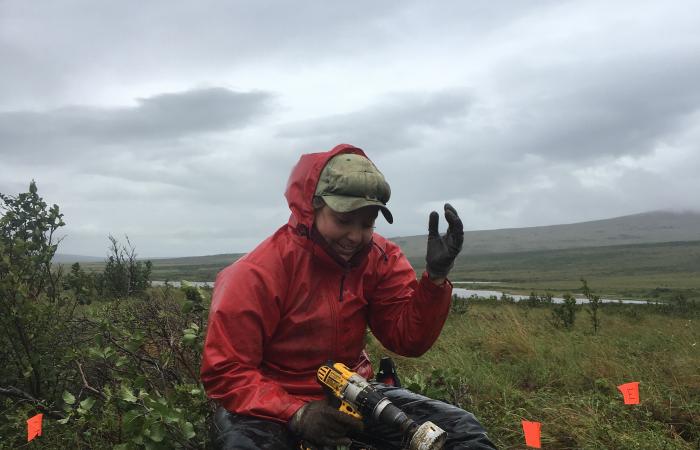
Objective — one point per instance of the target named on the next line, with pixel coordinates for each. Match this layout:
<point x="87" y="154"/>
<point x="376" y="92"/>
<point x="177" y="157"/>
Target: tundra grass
<point x="506" y="363"/>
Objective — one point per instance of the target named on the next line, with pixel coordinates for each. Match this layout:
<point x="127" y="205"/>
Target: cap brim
<point x="343" y="204"/>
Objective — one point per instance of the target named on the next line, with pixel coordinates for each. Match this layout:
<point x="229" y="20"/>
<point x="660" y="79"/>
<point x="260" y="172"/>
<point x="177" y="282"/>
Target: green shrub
<point x="81" y="284"/>
<point x="123" y="275"/>
<point x="459" y="305"/>
<point x="564" y="314"/>
<point x="34" y="315"/>
<point x="594" y="304"/>
<point x="114" y="374"/>
<point x="535" y="300"/>
<point x="448" y="385"/>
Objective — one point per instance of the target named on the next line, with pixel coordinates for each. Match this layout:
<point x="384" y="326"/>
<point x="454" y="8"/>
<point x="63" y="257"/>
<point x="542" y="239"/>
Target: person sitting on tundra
<point x="307" y="295"/>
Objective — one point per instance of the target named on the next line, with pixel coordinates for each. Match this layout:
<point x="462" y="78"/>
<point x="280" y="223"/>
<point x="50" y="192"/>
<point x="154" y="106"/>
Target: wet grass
<point x="506" y="363"/>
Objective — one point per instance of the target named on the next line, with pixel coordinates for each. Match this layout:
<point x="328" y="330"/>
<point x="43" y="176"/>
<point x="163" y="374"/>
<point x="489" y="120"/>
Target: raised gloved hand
<point x="322" y="424"/>
<point x="442" y="250"/>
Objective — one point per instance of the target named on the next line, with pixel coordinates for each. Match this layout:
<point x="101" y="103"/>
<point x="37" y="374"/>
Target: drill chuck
<point x="427" y="436"/>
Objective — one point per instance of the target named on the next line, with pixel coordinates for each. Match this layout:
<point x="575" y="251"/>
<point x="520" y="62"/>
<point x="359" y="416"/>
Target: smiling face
<point x="348" y="232"/>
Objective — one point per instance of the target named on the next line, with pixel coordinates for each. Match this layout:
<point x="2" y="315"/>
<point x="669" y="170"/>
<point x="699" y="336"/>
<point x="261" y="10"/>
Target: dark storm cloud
<point x="397" y="122"/>
<point x="162" y="117"/>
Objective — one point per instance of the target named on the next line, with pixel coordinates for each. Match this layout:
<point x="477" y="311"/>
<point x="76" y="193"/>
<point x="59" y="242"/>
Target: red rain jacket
<point x="291" y="304"/>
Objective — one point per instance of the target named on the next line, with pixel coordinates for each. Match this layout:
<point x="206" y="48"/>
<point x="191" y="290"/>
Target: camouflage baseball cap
<point x="349" y="182"/>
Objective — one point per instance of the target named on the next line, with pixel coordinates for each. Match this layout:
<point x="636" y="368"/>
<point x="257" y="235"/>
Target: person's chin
<point x="345" y="254"/>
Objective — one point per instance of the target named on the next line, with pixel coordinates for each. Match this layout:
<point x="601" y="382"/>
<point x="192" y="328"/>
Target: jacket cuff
<point x="292" y="409"/>
<point x="425" y="279"/>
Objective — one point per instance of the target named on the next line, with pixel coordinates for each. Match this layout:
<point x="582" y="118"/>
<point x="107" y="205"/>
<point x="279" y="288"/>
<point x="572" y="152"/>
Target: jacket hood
<point x="302" y="185"/>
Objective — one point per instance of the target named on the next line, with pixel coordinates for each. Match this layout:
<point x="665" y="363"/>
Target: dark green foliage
<point x="459" y="305"/>
<point x="194" y="298"/>
<point x="682" y="305"/>
<point x="448" y="385"/>
<point x="122" y="374"/>
<point x="130" y="376"/>
<point x="33" y="312"/>
<point x="123" y="275"/>
<point x="535" y="300"/>
<point x="594" y="304"/>
<point x="142" y="369"/>
<point x="564" y="314"/>
<point x="81" y="283"/>
<point x="505" y="298"/>
<point x="679" y="306"/>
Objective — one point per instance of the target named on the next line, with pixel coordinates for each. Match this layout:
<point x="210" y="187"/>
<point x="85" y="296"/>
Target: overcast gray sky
<point x="178" y="123"/>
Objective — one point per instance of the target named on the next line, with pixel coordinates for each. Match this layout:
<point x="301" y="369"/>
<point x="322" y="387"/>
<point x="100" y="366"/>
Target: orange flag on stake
<point x="630" y="391"/>
<point x="34" y="427"/>
<point x="532" y="433"/>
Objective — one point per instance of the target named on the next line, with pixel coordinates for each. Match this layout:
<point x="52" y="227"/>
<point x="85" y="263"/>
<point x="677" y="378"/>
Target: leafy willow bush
<point x="33" y="311"/>
<point x="118" y="374"/>
<point x="139" y="373"/>
<point x="123" y="275"/>
<point x="82" y="284"/>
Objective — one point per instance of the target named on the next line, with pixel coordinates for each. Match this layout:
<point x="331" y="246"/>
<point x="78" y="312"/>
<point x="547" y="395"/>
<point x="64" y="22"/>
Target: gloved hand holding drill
<point x="322" y="424"/>
<point x="442" y="250"/>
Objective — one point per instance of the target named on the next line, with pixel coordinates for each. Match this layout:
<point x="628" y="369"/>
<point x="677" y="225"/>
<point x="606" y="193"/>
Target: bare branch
<point x="85" y="383"/>
<point x="12" y="391"/>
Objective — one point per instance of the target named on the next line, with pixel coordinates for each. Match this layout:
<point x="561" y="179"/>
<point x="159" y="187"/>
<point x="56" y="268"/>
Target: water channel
<point x="460" y="292"/>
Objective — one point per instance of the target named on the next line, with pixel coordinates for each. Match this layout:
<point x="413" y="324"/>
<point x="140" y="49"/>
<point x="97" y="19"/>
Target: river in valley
<point x="460" y="292"/>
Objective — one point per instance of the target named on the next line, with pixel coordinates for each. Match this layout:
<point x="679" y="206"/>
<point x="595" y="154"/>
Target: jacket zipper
<point x="334" y="320"/>
<point x="336" y="337"/>
<point x="342" y="286"/>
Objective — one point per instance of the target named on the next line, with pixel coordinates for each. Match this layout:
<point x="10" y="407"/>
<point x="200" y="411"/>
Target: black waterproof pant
<point x="231" y="431"/>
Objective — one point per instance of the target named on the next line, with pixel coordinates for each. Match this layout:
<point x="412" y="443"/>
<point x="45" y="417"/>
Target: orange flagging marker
<point x="34" y="427"/>
<point x="630" y="391"/>
<point x="532" y="433"/>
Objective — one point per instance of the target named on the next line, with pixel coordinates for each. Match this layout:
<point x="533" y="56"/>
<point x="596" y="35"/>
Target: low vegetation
<point x="113" y="363"/>
<point x="508" y="362"/>
<point x="109" y="361"/>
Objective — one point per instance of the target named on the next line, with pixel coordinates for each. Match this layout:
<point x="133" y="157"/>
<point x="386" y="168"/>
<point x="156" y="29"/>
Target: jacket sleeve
<point x="244" y="314"/>
<point x="405" y="314"/>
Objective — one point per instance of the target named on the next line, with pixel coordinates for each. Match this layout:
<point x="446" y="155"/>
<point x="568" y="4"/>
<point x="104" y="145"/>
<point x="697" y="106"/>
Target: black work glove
<point x="442" y="251"/>
<point x="322" y="424"/>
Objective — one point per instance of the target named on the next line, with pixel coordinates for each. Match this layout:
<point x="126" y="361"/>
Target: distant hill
<point x="645" y="228"/>
<point x="69" y="259"/>
<point x="191" y="268"/>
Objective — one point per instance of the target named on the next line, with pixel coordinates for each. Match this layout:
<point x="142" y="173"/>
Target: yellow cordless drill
<point x="358" y="398"/>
